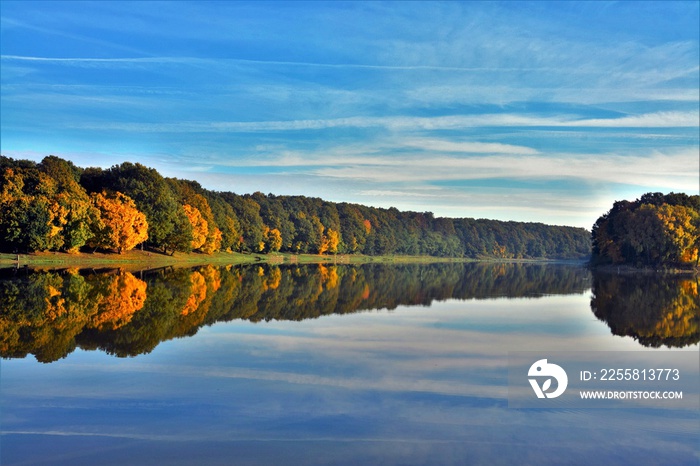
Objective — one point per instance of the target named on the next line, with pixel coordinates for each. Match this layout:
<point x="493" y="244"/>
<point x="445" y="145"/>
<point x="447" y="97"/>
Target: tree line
<point x="654" y="230"/>
<point x="54" y="205"/>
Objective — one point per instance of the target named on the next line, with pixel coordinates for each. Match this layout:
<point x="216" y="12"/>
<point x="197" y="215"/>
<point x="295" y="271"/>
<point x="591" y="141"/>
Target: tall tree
<point x="167" y="222"/>
<point x="73" y="199"/>
<point x="31" y="218"/>
<point x="248" y="213"/>
<point x="192" y="194"/>
<point x="121" y="225"/>
<point x="200" y="227"/>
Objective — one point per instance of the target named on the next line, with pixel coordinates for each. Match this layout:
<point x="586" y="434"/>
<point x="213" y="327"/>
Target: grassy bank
<point x="140" y="260"/>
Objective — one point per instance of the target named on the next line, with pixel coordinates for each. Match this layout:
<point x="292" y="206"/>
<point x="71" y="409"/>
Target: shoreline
<point x="631" y="270"/>
<point x="143" y="260"/>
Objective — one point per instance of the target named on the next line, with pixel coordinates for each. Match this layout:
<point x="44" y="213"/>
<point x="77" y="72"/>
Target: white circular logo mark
<point x="543" y="369"/>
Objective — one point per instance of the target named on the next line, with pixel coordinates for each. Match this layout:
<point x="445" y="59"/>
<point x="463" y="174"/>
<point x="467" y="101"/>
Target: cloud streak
<point x="434" y="160"/>
<point x="686" y="119"/>
<point x="671" y="171"/>
<point x="218" y="62"/>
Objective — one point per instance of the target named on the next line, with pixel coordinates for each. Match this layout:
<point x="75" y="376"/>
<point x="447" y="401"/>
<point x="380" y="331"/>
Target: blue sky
<point x="543" y="112"/>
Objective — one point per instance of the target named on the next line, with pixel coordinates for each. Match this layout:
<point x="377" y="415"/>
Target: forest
<point x="54" y="205"/>
<point x="654" y="230"/>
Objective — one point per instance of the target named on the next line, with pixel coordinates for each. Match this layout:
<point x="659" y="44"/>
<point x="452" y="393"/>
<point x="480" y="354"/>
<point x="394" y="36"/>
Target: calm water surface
<point x="395" y="364"/>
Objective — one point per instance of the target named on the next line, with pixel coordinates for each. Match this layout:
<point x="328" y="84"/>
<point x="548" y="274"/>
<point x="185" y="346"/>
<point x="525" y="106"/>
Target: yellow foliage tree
<point x="213" y="242"/>
<point x="679" y="223"/>
<point x="121" y="225"/>
<point x="332" y="240"/>
<point x="200" y="227"/>
<point x="272" y="239"/>
<point x="77" y="212"/>
<point x="30" y="215"/>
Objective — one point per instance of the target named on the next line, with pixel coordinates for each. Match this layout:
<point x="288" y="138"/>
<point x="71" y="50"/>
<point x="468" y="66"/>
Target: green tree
<point x="226" y="220"/>
<point x="31" y="219"/>
<point x="190" y="193"/>
<point x="248" y="214"/>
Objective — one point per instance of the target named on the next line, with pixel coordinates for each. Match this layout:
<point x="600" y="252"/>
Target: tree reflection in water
<point x="656" y="310"/>
<point x="50" y="313"/>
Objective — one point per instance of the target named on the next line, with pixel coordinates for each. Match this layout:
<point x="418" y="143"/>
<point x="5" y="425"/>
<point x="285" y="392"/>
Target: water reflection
<point x="49" y="314"/>
<point x="655" y="310"/>
<point x="419" y="386"/>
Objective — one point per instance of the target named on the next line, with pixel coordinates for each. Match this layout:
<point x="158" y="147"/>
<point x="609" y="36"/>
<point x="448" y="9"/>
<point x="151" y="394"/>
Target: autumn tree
<point x="333" y="240"/>
<point x="272" y="239"/>
<point x="200" y="226"/>
<point x="121" y="225"/>
<point x="654" y="230"/>
<point x="190" y="193"/>
<point x="226" y="221"/>
<point x="31" y="217"/>
<point x="213" y="242"/>
<point x="680" y="224"/>
<point x="168" y="225"/>
<point x="352" y="228"/>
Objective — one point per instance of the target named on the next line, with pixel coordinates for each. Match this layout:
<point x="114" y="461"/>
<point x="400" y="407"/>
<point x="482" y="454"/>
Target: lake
<point x="334" y="364"/>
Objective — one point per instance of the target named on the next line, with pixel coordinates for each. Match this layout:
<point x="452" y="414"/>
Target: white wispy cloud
<point x="224" y="62"/>
<point x="435" y="95"/>
<point x="677" y="170"/>
<point x="442" y="145"/>
<point x="436" y="159"/>
<point x="649" y="120"/>
<point x="673" y="119"/>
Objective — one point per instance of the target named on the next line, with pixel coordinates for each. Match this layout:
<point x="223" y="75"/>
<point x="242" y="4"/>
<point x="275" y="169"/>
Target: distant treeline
<point x="55" y="206"/>
<point x="654" y="230"/>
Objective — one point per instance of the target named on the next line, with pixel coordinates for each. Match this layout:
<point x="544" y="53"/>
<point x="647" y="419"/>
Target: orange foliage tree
<point x="121" y="225"/>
